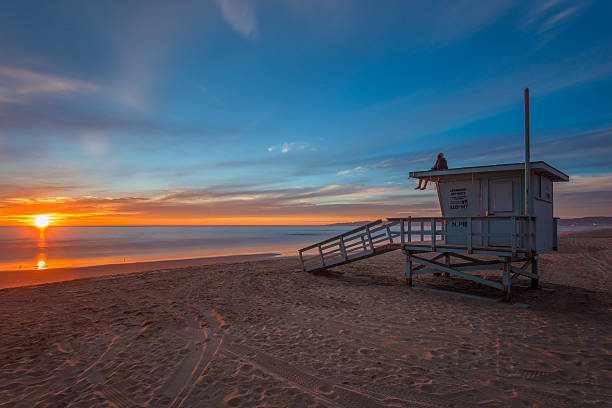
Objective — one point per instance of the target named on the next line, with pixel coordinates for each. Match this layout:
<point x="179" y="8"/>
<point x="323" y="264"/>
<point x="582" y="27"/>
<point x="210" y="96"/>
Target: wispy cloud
<point x="16" y="83"/>
<point x="331" y="203"/>
<point x="547" y="19"/>
<point x="454" y="20"/>
<point x="240" y="14"/>
<point x="286" y="147"/>
<point x="364" y="168"/>
<point x="586" y="184"/>
<point x="435" y="23"/>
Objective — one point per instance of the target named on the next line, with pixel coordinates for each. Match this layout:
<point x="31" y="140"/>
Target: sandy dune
<point x="265" y="334"/>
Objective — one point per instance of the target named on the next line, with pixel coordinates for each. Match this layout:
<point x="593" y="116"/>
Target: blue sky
<point x="292" y="112"/>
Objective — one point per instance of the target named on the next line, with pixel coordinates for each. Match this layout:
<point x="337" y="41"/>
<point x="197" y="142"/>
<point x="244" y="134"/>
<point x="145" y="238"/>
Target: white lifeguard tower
<point x="497" y="190"/>
<point x="497" y="217"/>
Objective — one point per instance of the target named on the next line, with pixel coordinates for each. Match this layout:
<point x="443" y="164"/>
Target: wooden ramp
<point x="362" y="242"/>
<point x="453" y="241"/>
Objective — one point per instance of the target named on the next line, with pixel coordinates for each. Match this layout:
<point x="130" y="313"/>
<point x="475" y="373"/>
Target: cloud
<point x="418" y="116"/>
<point x="547" y="19"/>
<point x="364" y="168"/>
<point x="40" y="115"/>
<point x="240" y="14"/>
<point x="561" y="15"/>
<point x="286" y="147"/>
<point x="16" y="83"/>
<point x="586" y="184"/>
<point x="94" y="144"/>
<point x="434" y="23"/>
<point x="452" y="20"/>
<point x="333" y="202"/>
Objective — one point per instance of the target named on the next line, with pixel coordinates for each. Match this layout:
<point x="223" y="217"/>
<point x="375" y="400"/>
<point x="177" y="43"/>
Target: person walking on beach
<point x="440" y="165"/>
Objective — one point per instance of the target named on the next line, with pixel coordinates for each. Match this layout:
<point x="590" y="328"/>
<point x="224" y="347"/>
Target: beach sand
<point x="16" y="278"/>
<point x="266" y="334"/>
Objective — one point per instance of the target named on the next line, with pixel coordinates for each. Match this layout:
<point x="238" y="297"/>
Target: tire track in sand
<point x="203" y="345"/>
<point x="332" y="394"/>
<point x="213" y="346"/>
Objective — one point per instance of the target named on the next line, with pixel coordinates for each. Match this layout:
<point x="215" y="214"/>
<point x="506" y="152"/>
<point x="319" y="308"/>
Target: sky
<point x="292" y="112"/>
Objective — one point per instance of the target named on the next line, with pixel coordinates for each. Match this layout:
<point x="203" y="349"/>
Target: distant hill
<point x="566" y="222"/>
<point x="586" y="221"/>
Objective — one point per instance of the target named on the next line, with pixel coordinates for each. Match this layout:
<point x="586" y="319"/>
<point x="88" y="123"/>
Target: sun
<point x="41" y="221"/>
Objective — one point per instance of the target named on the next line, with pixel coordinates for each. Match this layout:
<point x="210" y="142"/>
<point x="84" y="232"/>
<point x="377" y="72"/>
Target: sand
<point x="16" y="278"/>
<point x="266" y="334"/>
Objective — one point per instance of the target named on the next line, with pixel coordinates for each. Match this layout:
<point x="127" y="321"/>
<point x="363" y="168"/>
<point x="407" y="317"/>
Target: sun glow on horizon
<point x="42" y="220"/>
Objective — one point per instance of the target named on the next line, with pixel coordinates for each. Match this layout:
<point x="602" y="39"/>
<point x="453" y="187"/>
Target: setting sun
<point x="41" y="221"/>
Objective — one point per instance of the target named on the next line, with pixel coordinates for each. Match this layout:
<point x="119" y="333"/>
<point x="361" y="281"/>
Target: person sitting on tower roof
<point x="440" y="165"/>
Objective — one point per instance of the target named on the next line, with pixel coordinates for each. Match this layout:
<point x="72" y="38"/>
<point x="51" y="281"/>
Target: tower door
<point x="503" y="201"/>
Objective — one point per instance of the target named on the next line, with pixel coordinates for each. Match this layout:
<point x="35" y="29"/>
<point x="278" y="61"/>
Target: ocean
<point x="28" y="248"/>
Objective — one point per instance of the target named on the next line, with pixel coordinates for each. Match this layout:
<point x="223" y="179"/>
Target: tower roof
<point x="539" y="167"/>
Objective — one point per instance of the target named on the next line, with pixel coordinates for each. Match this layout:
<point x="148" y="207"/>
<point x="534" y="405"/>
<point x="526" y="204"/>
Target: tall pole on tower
<point x="527" y="158"/>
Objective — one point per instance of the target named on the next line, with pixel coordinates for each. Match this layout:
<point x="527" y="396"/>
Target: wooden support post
<point x="527" y="243"/>
<point x="513" y="236"/>
<point x="321" y="255"/>
<point x="453" y="271"/>
<point x="433" y="235"/>
<point x="402" y="238"/>
<point x="301" y="261"/>
<point x="534" y="248"/>
<point x="408" y="269"/>
<point x="447" y="258"/>
<point x="534" y="270"/>
<point x="555" y="240"/>
<point x="507" y="280"/>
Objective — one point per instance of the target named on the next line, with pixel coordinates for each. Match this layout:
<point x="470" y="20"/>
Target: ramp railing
<point x="496" y="235"/>
<point x="361" y="242"/>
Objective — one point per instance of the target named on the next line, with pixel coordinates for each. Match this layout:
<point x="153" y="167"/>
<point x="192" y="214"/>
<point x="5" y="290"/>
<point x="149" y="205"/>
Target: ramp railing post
<point x="370" y="238"/>
<point x="402" y="240"/>
<point x="363" y="242"/>
<point x="443" y="230"/>
<point x="422" y="231"/>
<point x="389" y="234"/>
<point x="409" y="229"/>
<point x="342" y="248"/>
<point x="321" y="255"/>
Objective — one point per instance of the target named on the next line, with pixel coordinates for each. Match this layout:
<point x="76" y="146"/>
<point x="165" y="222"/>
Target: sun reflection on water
<point x="42" y="263"/>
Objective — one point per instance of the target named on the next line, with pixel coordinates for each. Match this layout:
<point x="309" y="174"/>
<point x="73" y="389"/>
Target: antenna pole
<point x="527" y="158"/>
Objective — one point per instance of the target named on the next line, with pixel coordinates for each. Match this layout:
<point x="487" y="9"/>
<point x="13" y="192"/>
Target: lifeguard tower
<point x="497" y="217"/>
